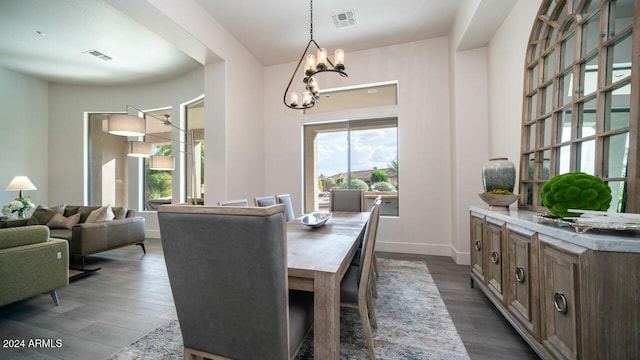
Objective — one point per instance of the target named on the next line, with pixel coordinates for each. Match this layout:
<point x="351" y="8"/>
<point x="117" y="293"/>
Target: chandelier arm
<point x="284" y="98"/>
<point x="163" y="121"/>
<point x="308" y="78"/>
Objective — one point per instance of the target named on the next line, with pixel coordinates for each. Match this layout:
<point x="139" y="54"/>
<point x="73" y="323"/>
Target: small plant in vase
<point x="499" y="199"/>
<point x="20" y="206"/>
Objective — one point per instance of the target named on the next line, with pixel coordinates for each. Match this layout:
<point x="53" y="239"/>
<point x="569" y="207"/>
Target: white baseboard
<point x="460" y="258"/>
<point x="413" y="248"/>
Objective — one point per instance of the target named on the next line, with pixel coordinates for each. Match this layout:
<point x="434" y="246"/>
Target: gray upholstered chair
<point x="345" y="200"/>
<point x="264" y="201"/>
<point x="357" y="259"/>
<point x="228" y="273"/>
<point x="241" y="202"/>
<point x="355" y="289"/>
<point x="286" y="200"/>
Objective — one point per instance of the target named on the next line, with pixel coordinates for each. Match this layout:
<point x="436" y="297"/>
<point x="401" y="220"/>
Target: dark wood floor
<point x="130" y="296"/>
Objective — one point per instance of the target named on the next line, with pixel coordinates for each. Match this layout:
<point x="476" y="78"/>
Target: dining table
<point x="318" y="258"/>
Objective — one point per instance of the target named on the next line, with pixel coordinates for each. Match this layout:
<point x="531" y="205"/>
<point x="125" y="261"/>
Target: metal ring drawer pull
<point x="478" y="245"/>
<point x="495" y="257"/>
<point x="560" y="302"/>
<point x="519" y="274"/>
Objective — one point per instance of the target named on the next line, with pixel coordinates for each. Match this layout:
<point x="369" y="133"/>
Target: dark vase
<point x="499" y="173"/>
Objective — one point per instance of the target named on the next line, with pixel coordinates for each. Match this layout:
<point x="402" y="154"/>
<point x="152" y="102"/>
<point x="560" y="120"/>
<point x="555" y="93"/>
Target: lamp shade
<point x="139" y="149"/>
<point x="126" y="125"/>
<point x="20" y="183"/>
<point x="161" y="162"/>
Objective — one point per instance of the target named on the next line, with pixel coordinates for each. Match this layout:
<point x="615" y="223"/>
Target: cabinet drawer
<point x="495" y="268"/>
<point x="477" y="247"/>
<point x="523" y="279"/>
<point x="559" y="301"/>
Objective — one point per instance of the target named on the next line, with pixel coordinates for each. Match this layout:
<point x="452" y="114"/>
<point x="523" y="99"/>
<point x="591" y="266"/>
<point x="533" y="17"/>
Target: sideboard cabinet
<point x="570" y="295"/>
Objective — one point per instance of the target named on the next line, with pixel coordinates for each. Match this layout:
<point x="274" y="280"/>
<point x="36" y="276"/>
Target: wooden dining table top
<point x="324" y="248"/>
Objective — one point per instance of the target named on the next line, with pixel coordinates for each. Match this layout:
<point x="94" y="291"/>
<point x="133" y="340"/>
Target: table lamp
<point x="20" y="183"/>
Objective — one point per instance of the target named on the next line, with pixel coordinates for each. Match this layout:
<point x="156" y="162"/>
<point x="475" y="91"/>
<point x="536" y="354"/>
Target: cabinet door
<point x="560" y="303"/>
<point x="477" y="247"/>
<point x="495" y="269"/>
<point x="522" y="278"/>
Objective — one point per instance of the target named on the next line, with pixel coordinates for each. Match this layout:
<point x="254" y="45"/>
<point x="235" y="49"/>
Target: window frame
<point x="310" y="132"/>
<point x="546" y="38"/>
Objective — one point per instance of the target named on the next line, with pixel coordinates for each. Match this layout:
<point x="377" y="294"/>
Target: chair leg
<point x="366" y="328"/>
<point x="374" y="286"/>
<point x="375" y="266"/>
<point x="54" y="296"/>
<point x="371" y="310"/>
<point x="143" y="249"/>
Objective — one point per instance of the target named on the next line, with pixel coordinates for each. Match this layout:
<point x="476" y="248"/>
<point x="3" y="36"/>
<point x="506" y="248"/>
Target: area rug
<point x="413" y="323"/>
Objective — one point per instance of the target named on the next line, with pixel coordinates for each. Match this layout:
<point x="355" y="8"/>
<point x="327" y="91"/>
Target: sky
<point x="369" y="148"/>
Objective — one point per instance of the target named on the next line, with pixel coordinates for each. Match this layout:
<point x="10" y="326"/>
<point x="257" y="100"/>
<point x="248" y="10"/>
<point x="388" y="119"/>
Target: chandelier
<point x="313" y="65"/>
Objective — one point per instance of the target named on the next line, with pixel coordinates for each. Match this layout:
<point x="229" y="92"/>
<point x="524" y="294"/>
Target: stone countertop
<point x="601" y="240"/>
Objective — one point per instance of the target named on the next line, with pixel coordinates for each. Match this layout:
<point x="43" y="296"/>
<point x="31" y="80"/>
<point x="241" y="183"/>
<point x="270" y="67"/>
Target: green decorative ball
<point x="575" y="190"/>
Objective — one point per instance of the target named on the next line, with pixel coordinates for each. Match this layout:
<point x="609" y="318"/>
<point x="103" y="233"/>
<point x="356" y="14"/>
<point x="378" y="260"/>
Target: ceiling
<point x="274" y="31"/>
<point x="71" y="27"/>
<point x="277" y="31"/>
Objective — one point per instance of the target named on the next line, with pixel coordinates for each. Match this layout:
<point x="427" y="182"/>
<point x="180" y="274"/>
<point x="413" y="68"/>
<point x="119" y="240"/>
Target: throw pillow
<point x="42" y="214"/>
<point x="60" y="222"/>
<point x="100" y="214"/>
<point x="119" y="212"/>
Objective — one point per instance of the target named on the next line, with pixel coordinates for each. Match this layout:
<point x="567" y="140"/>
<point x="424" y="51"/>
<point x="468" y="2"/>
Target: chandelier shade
<point x="161" y="162"/>
<point x="314" y="64"/>
<point x="126" y="125"/>
<point x="140" y="149"/>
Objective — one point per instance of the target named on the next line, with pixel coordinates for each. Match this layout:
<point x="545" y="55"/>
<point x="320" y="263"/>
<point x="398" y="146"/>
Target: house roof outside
<point x="365" y="175"/>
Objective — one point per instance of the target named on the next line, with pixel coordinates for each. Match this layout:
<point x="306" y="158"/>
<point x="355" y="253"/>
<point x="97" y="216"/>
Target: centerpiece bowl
<point x="316" y="219"/>
<point x="498" y="201"/>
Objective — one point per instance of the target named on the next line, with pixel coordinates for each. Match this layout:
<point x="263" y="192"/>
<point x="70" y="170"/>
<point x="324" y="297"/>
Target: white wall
<point x="421" y="69"/>
<point x="234" y="112"/>
<point x="506" y="53"/>
<point x="23" y="134"/>
<point x="470" y="148"/>
<point x="68" y="104"/>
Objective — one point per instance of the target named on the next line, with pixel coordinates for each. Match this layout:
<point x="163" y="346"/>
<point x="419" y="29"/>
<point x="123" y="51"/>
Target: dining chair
<point x="374" y="262"/>
<point x="241" y="202"/>
<point x="345" y="200"/>
<point x="228" y="308"/>
<point x="264" y="201"/>
<point x="286" y="200"/>
<point x="355" y="289"/>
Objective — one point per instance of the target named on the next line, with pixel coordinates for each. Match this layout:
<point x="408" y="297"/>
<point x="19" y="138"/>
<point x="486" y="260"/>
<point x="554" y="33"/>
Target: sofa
<point x="31" y="263"/>
<point x="89" y="237"/>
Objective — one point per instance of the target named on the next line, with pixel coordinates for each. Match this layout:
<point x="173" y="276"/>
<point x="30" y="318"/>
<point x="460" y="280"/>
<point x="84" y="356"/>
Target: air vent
<point x="98" y="54"/>
<point x="344" y="19"/>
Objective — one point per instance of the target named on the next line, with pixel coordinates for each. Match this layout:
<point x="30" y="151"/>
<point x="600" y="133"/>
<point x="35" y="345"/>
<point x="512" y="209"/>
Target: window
<point x="357" y="154"/>
<point x="158" y="184"/>
<point x="195" y="155"/>
<point x="106" y="164"/>
<point x="578" y="112"/>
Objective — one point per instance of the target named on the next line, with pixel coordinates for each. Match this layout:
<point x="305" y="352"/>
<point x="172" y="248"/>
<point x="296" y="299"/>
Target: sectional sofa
<point x="85" y="235"/>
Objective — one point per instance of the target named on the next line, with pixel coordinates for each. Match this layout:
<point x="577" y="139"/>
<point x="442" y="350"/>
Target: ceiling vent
<point x="98" y="54"/>
<point x="344" y="19"/>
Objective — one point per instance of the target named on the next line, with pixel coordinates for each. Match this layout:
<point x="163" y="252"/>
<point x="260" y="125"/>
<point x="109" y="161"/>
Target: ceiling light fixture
<point x="126" y="125"/>
<point x="314" y="65"/>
